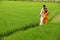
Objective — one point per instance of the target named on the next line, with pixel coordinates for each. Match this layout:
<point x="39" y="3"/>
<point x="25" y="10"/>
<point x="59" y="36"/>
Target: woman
<point x="44" y="17"/>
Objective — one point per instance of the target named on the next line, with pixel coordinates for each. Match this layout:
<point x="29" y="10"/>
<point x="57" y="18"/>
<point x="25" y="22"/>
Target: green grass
<point x="16" y="15"/>
<point x="49" y="31"/>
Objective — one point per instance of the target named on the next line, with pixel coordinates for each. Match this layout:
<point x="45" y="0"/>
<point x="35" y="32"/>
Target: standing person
<point x="42" y="19"/>
<point x="45" y="16"/>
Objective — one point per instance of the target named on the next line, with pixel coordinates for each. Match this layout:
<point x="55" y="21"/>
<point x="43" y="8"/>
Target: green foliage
<point x="49" y="31"/>
<point x="4" y="0"/>
<point x="17" y="0"/>
<point x="17" y="16"/>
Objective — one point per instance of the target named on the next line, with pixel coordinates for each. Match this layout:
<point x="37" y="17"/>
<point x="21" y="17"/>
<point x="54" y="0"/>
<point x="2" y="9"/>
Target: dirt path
<point x="56" y="18"/>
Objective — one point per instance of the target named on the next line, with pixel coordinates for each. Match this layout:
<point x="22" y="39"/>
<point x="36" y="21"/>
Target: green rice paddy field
<point x="19" y="20"/>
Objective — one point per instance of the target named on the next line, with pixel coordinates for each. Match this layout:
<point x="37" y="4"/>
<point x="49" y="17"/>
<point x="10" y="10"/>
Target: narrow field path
<point x="56" y="18"/>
